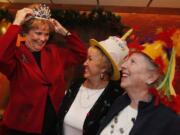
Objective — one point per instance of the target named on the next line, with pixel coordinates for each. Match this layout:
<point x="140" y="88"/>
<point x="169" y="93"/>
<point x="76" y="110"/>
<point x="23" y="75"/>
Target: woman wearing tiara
<point x="35" y="69"/>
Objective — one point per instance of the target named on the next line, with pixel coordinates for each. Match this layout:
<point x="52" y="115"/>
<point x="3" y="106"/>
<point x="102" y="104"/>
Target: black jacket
<point x="151" y="120"/>
<point x="98" y="110"/>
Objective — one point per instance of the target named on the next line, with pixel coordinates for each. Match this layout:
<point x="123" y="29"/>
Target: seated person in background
<point x="87" y="101"/>
<point x="142" y="111"/>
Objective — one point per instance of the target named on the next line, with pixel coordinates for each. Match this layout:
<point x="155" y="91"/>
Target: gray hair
<point x="152" y="66"/>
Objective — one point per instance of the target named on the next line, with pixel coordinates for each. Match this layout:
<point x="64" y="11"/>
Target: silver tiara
<point x="42" y="12"/>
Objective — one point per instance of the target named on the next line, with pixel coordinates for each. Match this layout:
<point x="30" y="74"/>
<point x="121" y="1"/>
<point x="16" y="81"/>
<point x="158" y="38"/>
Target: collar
<point x="124" y="101"/>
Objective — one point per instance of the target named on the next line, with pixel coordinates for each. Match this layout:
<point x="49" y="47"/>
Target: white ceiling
<point x="131" y="3"/>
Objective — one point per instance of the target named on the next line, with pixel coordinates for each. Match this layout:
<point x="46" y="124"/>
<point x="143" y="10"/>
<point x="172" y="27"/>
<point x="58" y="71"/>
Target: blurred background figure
<point x="35" y="69"/>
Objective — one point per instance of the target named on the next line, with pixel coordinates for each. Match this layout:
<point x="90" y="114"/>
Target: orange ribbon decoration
<point x="19" y="40"/>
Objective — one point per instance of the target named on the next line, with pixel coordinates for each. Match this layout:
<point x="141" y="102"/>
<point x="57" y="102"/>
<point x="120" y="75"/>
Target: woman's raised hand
<point x="22" y="15"/>
<point x="59" y="28"/>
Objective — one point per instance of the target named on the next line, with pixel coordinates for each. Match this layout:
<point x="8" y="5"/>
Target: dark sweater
<point x="99" y="109"/>
<point x="151" y="120"/>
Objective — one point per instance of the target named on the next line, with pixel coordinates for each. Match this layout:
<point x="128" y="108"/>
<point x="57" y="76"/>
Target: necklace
<point x="87" y="97"/>
<point x="91" y="93"/>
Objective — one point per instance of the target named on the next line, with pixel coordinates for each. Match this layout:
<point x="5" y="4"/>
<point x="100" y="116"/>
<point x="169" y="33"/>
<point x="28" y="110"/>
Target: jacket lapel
<point x="120" y="103"/>
<point x="144" y="111"/>
<point x="28" y="59"/>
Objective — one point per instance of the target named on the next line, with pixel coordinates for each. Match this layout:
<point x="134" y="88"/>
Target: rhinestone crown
<point x="42" y="12"/>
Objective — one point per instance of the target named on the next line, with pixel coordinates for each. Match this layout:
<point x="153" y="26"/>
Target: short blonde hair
<point x="106" y="63"/>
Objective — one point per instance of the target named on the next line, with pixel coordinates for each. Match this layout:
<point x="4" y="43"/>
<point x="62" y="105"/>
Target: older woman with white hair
<point x="137" y="112"/>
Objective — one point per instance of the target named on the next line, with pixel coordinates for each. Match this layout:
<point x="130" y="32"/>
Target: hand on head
<point x="22" y="15"/>
<point x="58" y="27"/>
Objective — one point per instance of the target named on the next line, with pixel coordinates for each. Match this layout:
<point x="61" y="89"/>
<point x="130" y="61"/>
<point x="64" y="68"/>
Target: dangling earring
<point x="148" y="83"/>
<point x="102" y="76"/>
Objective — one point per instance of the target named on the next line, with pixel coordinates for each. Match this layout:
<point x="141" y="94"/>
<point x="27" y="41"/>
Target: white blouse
<point x="122" y="123"/>
<point x="75" y="117"/>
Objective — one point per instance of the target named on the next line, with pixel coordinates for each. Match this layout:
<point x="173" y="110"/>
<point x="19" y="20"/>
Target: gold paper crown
<point x="157" y="53"/>
<point x="163" y="52"/>
<point x="42" y="12"/>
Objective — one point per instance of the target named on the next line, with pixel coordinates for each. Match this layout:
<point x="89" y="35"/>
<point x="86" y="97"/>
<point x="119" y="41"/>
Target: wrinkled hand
<point x="58" y="27"/>
<point x="22" y="15"/>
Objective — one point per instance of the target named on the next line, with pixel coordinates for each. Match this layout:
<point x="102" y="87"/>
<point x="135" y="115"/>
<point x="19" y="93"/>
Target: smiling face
<point x="137" y="72"/>
<point x="94" y="64"/>
<point x="36" y="39"/>
<point x="37" y="32"/>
